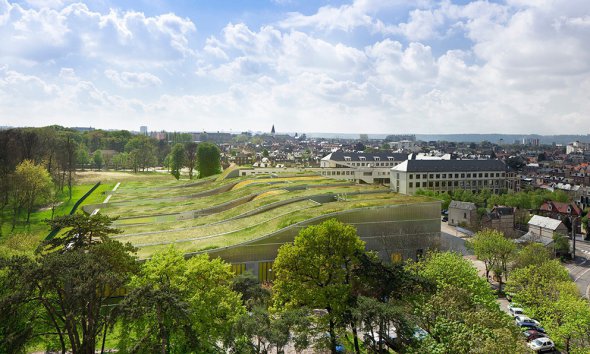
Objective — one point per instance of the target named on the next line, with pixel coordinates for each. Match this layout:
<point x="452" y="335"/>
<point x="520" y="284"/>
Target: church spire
<point x="272" y="131"/>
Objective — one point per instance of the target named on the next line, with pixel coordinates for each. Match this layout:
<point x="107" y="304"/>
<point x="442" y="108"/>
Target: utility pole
<point x="573" y="219"/>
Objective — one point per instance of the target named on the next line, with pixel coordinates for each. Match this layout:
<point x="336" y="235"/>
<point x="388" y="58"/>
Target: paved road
<point x="579" y="269"/>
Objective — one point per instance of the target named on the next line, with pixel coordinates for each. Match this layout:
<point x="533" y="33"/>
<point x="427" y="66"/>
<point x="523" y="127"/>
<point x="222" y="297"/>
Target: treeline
<point x="67" y="149"/>
<point x="328" y="293"/>
<point x="486" y="199"/>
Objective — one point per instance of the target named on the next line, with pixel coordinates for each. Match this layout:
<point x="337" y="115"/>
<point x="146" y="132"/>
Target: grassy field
<point x="155" y="210"/>
<point x="154" y="213"/>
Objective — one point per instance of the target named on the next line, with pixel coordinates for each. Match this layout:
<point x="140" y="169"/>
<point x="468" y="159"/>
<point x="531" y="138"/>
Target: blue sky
<point x="366" y="66"/>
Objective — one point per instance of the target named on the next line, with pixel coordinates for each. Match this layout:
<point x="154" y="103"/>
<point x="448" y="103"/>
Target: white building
<point x="360" y="167"/>
<point x="448" y="175"/>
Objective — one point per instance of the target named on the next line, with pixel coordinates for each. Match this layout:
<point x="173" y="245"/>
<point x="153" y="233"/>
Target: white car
<point x="541" y="344"/>
<point x="515" y="311"/>
<point x="526" y="319"/>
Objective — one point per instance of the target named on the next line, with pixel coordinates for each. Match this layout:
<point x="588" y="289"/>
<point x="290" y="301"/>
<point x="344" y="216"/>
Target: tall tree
<point x="208" y="160"/>
<point x="182" y="306"/>
<point x="495" y="250"/>
<point x="177" y="158"/>
<point x="191" y="157"/>
<point x="97" y="159"/>
<point x="32" y="186"/>
<point x="316" y="271"/>
<point x="73" y="285"/>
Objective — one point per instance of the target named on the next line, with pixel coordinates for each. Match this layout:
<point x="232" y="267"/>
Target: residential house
<point x="542" y="229"/>
<point x="462" y="213"/>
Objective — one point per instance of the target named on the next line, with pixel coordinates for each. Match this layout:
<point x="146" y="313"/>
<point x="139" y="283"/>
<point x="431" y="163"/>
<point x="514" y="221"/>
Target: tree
<point x="182" y="306"/>
<point x="83" y="158"/>
<point x="177" y="159"/>
<point x="462" y="315"/>
<point x="532" y="254"/>
<point x="72" y="286"/>
<point x="191" y="157"/>
<point x="495" y="250"/>
<point x="316" y="271"/>
<point x="536" y="286"/>
<point x="97" y="159"/>
<point x="142" y="152"/>
<point x="31" y="187"/>
<point x="208" y="160"/>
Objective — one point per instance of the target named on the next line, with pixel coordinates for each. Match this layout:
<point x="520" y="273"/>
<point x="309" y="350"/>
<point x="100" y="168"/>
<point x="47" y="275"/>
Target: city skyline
<point x="364" y="66"/>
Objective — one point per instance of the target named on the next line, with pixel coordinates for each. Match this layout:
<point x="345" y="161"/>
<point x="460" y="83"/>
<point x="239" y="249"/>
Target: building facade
<point x="360" y="167"/>
<point x="448" y="175"/>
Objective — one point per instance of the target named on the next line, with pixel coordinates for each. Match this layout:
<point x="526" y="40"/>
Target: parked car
<point x="525" y="326"/>
<point x="445" y="218"/>
<point x="515" y="311"/>
<point x="541" y="344"/>
<point x="525" y="319"/>
<point x="531" y="334"/>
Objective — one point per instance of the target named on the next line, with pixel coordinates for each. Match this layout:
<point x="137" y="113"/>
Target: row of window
<point x="461" y="184"/>
<point x="457" y="175"/>
<point x="373" y="164"/>
<point x="363" y="158"/>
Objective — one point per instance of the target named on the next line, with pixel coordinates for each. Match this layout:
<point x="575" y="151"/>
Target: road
<point x="579" y="269"/>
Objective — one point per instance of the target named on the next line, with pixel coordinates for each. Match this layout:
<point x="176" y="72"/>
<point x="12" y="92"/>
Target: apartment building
<point x="448" y="175"/>
<point x="360" y="167"/>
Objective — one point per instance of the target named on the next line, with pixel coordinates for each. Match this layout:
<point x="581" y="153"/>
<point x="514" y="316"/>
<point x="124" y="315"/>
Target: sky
<point x="357" y="66"/>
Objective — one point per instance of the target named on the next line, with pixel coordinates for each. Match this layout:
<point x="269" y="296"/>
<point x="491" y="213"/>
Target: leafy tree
<point x="531" y="254"/>
<point x="495" y="250"/>
<point x="177" y="159"/>
<point x="536" y="286"/>
<point x="208" y="160"/>
<point x="142" y="152"/>
<point x="447" y="269"/>
<point x="462" y="315"/>
<point x="316" y="272"/>
<point x="83" y="158"/>
<point x="252" y="291"/>
<point x="72" y="286"/>
<point x="32" y="186"/>
<point x="97" y="159"/>
<point x="191" y="157"/>
<point x="180" y="306"/>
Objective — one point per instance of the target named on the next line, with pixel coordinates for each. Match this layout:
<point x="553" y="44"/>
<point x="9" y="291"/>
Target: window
<point x="444" y="175"/>
<point x="411" y="185"/>
<point x="444" y="183"/>
<point x="480" y="175"/>
<point x="468" y="175"/>
<point x="436" y="184"/>
<point x="411" y="176"/>
<point x="437" y="176"/>
<point x="464" y="215"/>
<point x="417" y="184"/>
<point x="485" y="175"/>
<point x="424" y="176"/>
<point x="462" y="175"/>
<point x="346" y="158"/>
<point x="430" y="184"/>
<point x="377" y="158"/>
<point x="418" y="176"/>
<point x="456" y="175"/>
<point x="390" y="158"/>
<point x="431" y="175"/>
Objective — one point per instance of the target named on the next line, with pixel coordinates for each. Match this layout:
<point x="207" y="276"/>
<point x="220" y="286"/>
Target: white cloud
<point x="132" y="80"/>
<point x="123" y="37"/>
<point x="481" y="67"/>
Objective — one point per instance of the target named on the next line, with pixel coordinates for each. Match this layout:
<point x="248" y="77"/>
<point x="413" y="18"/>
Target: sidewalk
<point x="481" y="270"/>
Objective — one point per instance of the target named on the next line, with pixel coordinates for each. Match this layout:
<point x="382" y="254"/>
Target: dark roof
<point x="454" y="165"/>
<point x="354" y="156"/>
